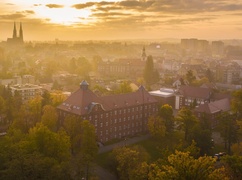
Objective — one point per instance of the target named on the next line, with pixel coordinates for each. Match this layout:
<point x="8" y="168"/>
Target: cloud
<point x="10" y="4"/>
<point x="29" y="12"/>
<point x="54" y="6"/>
<point x="12" y="16"/>
<point x="84" y="5"/>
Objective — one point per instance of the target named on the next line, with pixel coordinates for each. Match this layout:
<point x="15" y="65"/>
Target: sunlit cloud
<point x="54" y="6"/>
<point x="127" y="17"/>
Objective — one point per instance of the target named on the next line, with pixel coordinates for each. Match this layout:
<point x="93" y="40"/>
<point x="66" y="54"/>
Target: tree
<point x="57" y="97"/>
<point x="41" y="154"/>
<point x="210" y="75"/>
<point x="83" y="144"/>
<point x="88" y="147"/>
<point x="129" y="160"/>
<point x="151" y="76"/>
<point x="46" y="98"/>
<point x="237" y="149"/>
<point x="35" y="108"/>
<point x="203" y="139"/>
<point x="188" y="120"/>
<point x="72" y="125"/>
<point x="228" y="129"/>
<point x="234" y="166"/>
<point x="124" y="87"/>
<point x="181" y="165"/>
<point x="166" y="113"/>
<point x="190" y="76"/>
<point x="49" y="117"/>
<point x="237" y="103"/>
<point x="156" y="126"/>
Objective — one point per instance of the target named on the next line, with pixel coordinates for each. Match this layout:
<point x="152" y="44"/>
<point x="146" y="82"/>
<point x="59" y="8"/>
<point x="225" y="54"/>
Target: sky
<point x="123" y="19"/>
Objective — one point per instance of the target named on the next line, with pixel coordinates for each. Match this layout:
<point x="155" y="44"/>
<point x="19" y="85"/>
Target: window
<point x="106" y="123"/>
<point x="101" y="124"/>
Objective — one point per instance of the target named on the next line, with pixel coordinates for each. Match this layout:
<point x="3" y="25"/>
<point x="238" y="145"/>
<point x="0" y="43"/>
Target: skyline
<point x="124" y="19"/>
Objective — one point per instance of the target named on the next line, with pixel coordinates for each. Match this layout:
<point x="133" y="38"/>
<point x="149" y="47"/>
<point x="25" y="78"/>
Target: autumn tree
<point x="156" y="126"/>
<point x="41" y="154"/>
<point x="228" y="129"/>
<point x="188" y="120"/>
<point x="88" y="148"/>
<point x="129" y="160"/>
<point x="35" y="107"/>
<point x="166" y="113"/>
<point x="83" y="144"/>
<point x="237" y="103"/>
<point x="123" y="88"/>
<point x="181" y="165"/>
<point x="234" y="166"/>
<point x="72" y="125"/>
<point x="49" y="117"/>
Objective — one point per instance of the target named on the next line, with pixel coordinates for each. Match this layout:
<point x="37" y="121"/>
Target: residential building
<point x="114" y="116"/>
<point x="217" y="48"/>
<point x="26" y="91"/>
<point x="212" y="110"/>
<point x="122" y="67"/>
<point x="189" y="95"/>
<point x="228" y="73"/>
<point x="164" y="96"/>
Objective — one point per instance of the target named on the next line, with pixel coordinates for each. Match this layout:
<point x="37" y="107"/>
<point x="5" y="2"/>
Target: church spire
<point x="143" y="55"/>
<point x="14" y="31"/>
<point x="21" y="33"/>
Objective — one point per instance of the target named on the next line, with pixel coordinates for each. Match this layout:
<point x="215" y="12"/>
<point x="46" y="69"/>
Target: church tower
<point x="143" y="57"/>
<point x="21" y="38"/>
<point x="16" y="40"/>
<point x="14" y="31"/>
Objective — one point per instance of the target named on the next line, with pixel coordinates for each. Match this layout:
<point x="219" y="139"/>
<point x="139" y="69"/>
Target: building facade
<point x="26" y="91"/>
<point x="115" y="116"/>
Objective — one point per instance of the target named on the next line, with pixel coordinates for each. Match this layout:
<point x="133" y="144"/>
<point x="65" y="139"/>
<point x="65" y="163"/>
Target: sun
<point x="64" y="16"/>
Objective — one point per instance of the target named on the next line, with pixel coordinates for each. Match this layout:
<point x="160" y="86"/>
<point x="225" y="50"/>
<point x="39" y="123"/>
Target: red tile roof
<point x="213" y="107"/>
<point x="195" y="92"/>
<point x="80" y="101"/>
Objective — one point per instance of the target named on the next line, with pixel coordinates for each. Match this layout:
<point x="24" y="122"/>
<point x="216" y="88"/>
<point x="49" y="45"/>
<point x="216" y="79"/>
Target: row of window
<point x="119" y="134"/>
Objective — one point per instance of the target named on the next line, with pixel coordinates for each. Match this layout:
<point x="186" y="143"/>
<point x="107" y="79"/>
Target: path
<point x="104" y="174"/>
<point x="122" y="143"/>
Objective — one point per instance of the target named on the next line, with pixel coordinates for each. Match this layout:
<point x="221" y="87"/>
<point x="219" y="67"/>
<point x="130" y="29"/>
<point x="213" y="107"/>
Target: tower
<point x="21" y="38"/>
<point x="16" y="40"/>
<point x="14" y="31"/>
<point x="143" y="57"/>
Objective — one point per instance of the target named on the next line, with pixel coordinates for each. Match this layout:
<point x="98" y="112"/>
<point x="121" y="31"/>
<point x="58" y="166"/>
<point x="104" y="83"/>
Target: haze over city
<point x="123" y="19"/>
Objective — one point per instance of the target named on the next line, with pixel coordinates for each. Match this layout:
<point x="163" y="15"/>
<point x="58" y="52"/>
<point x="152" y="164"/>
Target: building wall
<point x="118" y="123"/>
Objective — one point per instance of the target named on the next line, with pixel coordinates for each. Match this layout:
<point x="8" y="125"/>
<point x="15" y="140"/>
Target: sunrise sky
<point x="123" y="19"/>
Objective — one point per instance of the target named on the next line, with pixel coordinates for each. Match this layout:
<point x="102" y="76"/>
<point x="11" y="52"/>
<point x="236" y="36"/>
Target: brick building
<point x="213" y="110"/>
<point x="114" y="116"/>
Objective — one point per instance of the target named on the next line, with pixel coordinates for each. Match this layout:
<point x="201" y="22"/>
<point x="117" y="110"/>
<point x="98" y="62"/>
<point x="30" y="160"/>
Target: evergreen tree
<point x="151" y="75"/>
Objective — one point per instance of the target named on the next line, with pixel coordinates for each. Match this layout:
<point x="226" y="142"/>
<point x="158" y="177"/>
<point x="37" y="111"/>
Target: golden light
<point x="65" y="16"/>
